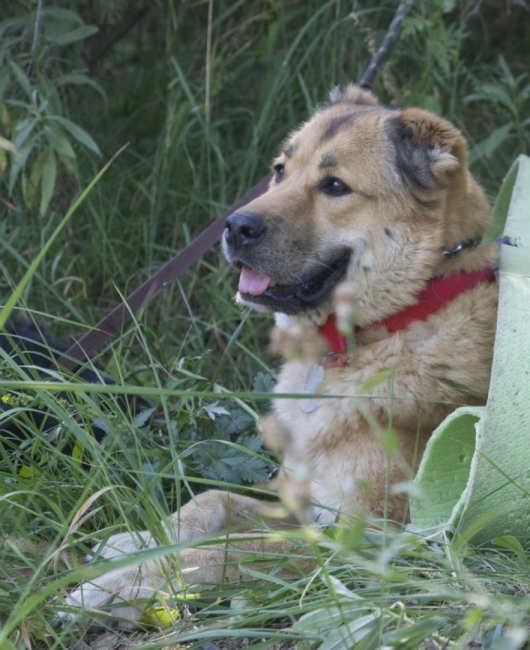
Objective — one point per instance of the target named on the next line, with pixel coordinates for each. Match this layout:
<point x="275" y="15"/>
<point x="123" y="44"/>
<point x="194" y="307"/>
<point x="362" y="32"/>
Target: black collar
<point x="469" y="243"/>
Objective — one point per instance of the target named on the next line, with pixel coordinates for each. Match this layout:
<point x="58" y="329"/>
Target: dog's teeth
<point x="272" y="284"/>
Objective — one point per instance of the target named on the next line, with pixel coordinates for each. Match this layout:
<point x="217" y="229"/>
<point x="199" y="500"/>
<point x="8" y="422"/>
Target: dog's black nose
<point x="242" y="229"/>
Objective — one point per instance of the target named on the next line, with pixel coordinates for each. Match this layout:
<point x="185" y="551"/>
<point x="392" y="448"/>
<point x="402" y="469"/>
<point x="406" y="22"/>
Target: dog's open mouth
<point x="258" y="288"/>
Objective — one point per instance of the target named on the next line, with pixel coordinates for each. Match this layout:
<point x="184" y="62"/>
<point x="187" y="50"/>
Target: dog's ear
<point x="352" y="94"/>
<point x="427" y="147"/>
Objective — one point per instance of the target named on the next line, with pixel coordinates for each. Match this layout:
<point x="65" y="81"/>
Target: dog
<point x="368" y="241"/>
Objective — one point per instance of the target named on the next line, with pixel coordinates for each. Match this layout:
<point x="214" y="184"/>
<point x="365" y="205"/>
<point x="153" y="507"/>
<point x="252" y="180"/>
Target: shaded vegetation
<point x="196" y="97"/>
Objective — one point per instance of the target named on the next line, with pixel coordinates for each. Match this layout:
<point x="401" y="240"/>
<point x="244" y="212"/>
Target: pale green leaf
<point x="493" y="93"/>
<point x="7" y="145"/>
<point x="22" y="131"/>
<point x="78" y="79"/>
<point x="5" y="79"/>
<point x="59" y="142"/>
<point x="18" y="162"/>
<point x="502" y="203"/>
<point x="77" y="132"/>
<point x="512" y="544"/>
<point x="415" y="634"/>
<point x="48" y="179"/>
<point x="321" y="620"/>
<point x="33" y="179"/>
<point x="22" y="79"/>
<point x="78" y="34"/>
<point x="13" y="25"/>
<point x="63" y="15"/>
<point x="346" y="636"/>
<point x="489" y="145"/>
<point x="506" y="70"/>
<point x="142" y="419"/>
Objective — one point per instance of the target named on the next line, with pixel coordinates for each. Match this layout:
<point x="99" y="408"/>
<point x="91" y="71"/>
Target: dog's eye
<point x="279" y="170"/>
<point x="334" y="186"/>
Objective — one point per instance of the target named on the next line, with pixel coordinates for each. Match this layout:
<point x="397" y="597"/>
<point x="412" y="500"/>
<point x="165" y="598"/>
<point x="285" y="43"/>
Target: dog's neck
<point x="436" y="295"/>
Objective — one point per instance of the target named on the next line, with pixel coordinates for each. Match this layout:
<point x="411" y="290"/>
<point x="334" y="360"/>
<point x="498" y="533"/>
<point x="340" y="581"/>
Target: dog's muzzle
<point x="243" y="230"/>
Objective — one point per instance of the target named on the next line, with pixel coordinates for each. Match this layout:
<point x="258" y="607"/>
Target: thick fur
<point x="372" y="197"/>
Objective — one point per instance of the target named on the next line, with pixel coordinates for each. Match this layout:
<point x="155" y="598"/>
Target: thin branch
<point x="387" y="43"/>
<point x="106" y="41"/>
<point x="36" y="36"/>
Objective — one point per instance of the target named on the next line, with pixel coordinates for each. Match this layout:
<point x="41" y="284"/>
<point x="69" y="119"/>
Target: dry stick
<point x="36" y="37"/>
<point x="102" y="42"/>
<point x="112" y="324"/>
<point x="386" y="44"/>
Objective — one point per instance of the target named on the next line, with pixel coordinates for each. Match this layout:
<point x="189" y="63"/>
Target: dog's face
<point x="359" y="192"/>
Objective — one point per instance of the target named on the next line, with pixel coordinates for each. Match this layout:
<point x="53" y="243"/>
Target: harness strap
<point x="112" y="324"/>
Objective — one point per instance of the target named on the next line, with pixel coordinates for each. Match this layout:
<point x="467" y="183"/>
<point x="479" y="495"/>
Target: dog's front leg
<point x="125" y="592"/>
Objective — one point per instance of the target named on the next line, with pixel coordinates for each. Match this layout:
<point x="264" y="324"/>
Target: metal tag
<point x="314" y="376"/>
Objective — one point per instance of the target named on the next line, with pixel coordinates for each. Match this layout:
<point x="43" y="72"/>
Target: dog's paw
<point x="120" y="595"/>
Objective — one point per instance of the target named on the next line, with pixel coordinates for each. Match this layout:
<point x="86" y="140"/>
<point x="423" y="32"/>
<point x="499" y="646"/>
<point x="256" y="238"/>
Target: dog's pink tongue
<point x="252" y="282"/>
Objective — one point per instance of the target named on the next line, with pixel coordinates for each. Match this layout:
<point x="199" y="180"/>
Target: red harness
<point x="438" y="293"/>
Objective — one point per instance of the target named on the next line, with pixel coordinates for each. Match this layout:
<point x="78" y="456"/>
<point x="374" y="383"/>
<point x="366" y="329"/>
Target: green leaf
<point x="487" y="147"/>
<point x="28" y="473"/>
<point x="22" y="131"/>
<point x="48" y="178"/>
<point x="525" y="92"/>
<point x="76" y="35"/>
<point x="102" y="424"/>
<point x="142" y="418"/>
<point x="502" y="203"/>
<point x="18" y="162"/>
<point x="321" y="620"/>
<point x="7" y="145"/>
<point x="506" y="70"/>
<point x="18" y="291"/>
<point x="346" y="636"/>
<point x="234" y="463"/>
<point x="78" y="79"/>
<point x="252" y="470"/>
<point x="512" y="544"/>
<point x="213" y="410"/>
<point x="22" y="79"/>
<point x="59" y="142"/>
<point x="63" y="15"/>
<point x="5" y="79"/>
<point x="263" y="383"/>
<point x="493" y="93"/>
<point x="13" y="25"/>
<point x="77" y="132"/>
<point x="413" y="635"/>
<point x="34" y="179"/>
<point x="232" y="422"/>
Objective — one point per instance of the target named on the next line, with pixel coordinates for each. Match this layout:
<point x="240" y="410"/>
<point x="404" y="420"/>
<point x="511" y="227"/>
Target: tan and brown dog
<point x="381" y="202"/>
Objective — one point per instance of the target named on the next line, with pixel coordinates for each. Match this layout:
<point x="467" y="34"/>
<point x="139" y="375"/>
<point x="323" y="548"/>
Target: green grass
<point x="203" y="111"/>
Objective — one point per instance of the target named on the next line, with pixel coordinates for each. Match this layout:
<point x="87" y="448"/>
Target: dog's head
<point x="359" y="192"/>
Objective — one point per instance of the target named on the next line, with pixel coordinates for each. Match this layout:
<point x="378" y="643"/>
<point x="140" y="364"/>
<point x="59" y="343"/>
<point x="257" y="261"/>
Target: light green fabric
<point x="475" y="473"/>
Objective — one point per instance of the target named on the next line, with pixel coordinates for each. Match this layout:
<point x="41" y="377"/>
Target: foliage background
<point x="195" y="96"/>
<point x="201" y="93"/>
